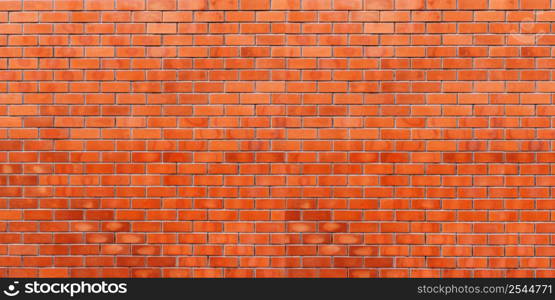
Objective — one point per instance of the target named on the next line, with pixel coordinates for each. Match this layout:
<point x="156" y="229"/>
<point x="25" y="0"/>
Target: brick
<point x="379" y="4"/>
<point x="408" y="4"/>
<point x="535" y="4"/>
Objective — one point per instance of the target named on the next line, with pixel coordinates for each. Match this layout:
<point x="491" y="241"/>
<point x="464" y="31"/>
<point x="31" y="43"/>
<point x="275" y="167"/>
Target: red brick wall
<point x="356" y="138"/>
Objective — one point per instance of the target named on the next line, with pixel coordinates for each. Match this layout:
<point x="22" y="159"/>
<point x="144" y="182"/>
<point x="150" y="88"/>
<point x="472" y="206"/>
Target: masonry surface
<point x="282" y="138"/>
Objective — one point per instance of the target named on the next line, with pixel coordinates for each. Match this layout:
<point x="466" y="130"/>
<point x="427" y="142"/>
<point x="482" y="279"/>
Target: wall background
<point x="360" y="138"/>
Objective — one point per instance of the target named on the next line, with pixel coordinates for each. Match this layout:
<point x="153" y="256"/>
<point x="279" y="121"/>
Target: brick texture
<point x="277" y="138"/>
